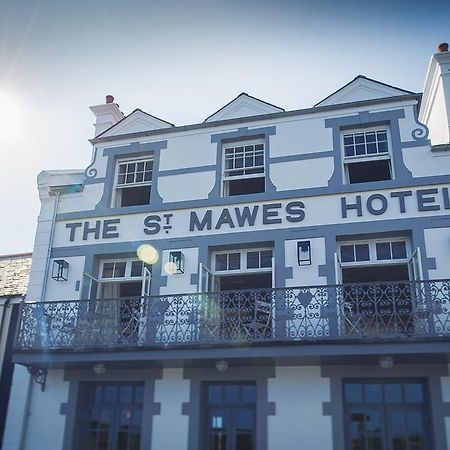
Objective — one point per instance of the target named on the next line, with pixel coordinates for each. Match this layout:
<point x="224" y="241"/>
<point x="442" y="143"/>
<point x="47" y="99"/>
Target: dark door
<point x="231" y="417"/>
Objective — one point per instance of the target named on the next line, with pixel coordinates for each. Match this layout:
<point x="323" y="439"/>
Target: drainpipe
<point x="56" y="193"/>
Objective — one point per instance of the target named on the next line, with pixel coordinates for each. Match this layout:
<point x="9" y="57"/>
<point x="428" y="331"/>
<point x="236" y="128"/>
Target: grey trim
<point x="301" y="157"/>
<point x="241" y="95"/>
<point x="333" y="232"/>
<point x="76" y="377"/>
<point x="91" y="171"/>
<point x="135" y="149"/>
<point x="186" y="170"/>
<point x="431" y="372"/>
<point x="278" y="195"/>
<point x="364" y="78"/>
<point x="263" y="117"/>
<point x="236" y="136"/>
<point x="193" y="409"/>
<point x="298" y="352"/>
<point x="367" y="119"/>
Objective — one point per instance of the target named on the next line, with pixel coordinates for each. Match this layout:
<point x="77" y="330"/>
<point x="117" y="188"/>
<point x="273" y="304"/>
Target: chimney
<point x="107" y="115"/>
<point x="435" y="106"/>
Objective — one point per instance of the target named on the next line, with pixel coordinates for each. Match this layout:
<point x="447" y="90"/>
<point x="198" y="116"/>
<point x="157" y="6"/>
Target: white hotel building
<point x="263" y="280"/>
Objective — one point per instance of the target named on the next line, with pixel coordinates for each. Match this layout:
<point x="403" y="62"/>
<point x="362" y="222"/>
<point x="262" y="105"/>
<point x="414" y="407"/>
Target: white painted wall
<point x="17" y="407"/>
<point x="302" y="135"/>
<point x="422" y="162"/>
<point x="305" y="275"/>
<point x="301" y="174"/>
<point x="65" y="290"/>
<point x="180" y="282"/>
<point x="46" y="424"/>
<point x="170" y="428"/>
<point x="192" y="186"/>
<point x="84" y="200"/>
<point x="191" y="150"/>
<point x="437" y="242"/>
<point x="299" y="424"/>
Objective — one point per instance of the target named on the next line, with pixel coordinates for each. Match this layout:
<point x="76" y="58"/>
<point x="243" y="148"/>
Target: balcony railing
<point x="372" y="311"/>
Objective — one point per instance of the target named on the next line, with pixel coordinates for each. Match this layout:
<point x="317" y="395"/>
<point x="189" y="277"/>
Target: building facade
<point x="265" y="279"/>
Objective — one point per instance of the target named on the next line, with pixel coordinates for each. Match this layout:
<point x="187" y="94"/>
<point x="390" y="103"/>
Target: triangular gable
<point x="243" y="105"/>
<point x="362" y="88"/>
<point x="136" y="122"/>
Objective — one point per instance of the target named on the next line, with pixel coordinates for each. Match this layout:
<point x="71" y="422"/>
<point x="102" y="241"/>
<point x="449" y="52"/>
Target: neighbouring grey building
<point x="263" y="280"/>
<point x="14" y="273"/>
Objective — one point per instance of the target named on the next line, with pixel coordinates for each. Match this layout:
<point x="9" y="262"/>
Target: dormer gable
<point x="362" y="88"/>
<point x="243" y="105"/>
<point x="136" y="122"/>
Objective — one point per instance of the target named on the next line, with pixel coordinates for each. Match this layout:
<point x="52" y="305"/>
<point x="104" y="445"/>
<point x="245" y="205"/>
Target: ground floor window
<point x="230" y="413"/>
<point x="112" y="416"/>
<point x="385" y="415"/>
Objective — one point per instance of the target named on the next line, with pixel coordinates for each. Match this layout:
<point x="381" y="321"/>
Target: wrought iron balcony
<point x="363" y="312"/>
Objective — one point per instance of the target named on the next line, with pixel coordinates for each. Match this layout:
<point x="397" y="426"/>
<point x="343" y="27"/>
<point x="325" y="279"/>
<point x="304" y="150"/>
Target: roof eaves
<point x="218" y="123"/>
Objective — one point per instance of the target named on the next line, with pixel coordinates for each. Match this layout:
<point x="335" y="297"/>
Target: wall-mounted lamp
<point x="221" y="365"/>
<point x="99" y="369"/>
<point x="60" y="270"/>
<point x="304" y="253"/>
<point x="386" y="362"/>
<point x="176" y="262"/>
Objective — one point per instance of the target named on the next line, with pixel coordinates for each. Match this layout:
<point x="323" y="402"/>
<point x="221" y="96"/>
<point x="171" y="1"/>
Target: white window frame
<point x="373" y="261"/>
<point x="117" y="188"/>
<point x="347" y="160"/>
<point x="128" y="264"/>
<point x="244" y="143"/>
<point x="243" y="261"/>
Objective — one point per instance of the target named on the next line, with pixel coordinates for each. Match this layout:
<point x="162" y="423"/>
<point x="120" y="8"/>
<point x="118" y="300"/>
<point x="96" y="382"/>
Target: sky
<point x="181" y="60"/>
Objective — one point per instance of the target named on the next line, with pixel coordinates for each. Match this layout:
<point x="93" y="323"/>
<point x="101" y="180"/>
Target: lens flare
<point x="148" y="254"/>
<point x="170" y="268"/>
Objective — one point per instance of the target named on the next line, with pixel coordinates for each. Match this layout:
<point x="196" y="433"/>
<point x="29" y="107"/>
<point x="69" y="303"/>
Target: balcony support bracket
<point x="39" y="375"/>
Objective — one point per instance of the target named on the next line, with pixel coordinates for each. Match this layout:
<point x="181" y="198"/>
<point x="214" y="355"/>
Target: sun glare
<point x="9" y="114"/>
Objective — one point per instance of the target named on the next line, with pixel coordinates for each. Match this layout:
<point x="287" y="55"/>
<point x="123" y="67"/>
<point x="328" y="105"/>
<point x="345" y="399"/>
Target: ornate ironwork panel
<point x="384" y="310"/>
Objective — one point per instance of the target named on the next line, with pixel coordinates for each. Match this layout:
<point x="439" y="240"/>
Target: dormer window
<point x="244" y="168"/>
<point x="133" y="182"/>
<point x="367" y="155"/>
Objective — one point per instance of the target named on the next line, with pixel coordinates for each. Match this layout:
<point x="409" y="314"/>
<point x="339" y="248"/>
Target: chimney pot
<point x="110" y="98"/>
<point x="443" y="47"/>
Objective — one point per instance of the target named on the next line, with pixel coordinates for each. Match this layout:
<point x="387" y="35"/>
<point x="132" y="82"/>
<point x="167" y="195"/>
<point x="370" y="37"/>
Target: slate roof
<point x="14" y="274"/>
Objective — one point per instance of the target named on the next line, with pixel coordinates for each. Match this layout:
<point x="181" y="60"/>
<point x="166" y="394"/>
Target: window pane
<point x="129" y="178"/>
<point x="266" y="258"/>
<point x="126" y="394"/>
<point x="139" y="177"/>
<point x="370" y="137"/>
<point x="353" y="393"/>
<point x="413" y="393"/>
<point x="383" y="250"/>
<point x="140" y="166"/>
<point x="398" y="430"/>
<point x="393" y="393"/>
<point x="122" y="168"/>
<point x="371" y="148"/>
<point x="221" y="262"/>
<point x="373" y="393"/>
<point x="362" y="252"/>
<point x="121" y="179"/>
<point x="244" y="419"/>
<point x="347" y="253"/>
<point x="110" y="394"/>
<point x="359" y="138"/>
<point x="348" y="139"/>
<point x="248" y="393"/>
<point x="349" y="150"/>
<point x="215" y="394"/>
<point x="382" y="147"/>
<point x="252" y="260"/>
<point x="231" y="394"/>
<point x="399" y="250"/>
<point x="136" y="268"/>
<point x="234" y="261"/>
<point x="139" y="394"/>
<point x="360" y="149"/>
<point x="108" y="270"/>
<point x="119" y="269"/>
